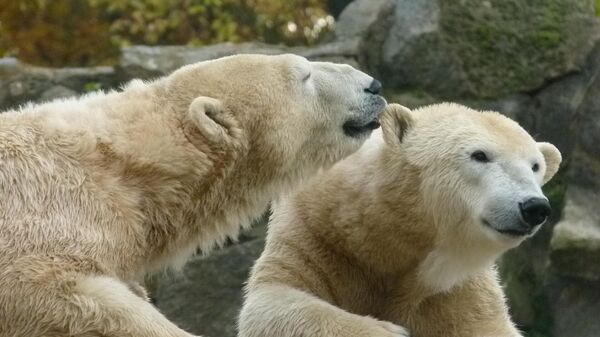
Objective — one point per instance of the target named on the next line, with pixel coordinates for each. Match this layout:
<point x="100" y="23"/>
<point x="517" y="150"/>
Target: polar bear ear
<point x="207" y="116"/>
<point x="552" y="157"/>
<point x="395" y="121"/>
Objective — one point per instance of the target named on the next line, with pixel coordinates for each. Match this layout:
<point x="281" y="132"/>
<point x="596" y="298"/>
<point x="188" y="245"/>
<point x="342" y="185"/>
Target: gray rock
<point x="148" y="62"/>
<point x="20" y="83"/>
<point x="459" y="48"/>
<point x="554" y="114"/>
<point x="576" y="309"/>
<point x="9" y="65"/>
<point x="82" y="79"/>
<point x="585" y="130"/>
<point x="412" y="99"/>
<point x="55" y="92"/>
<point x="335" y="51"/>
<point x="590" y="130"/>
<point x="360" y="17"/>
<point x="207" y="297"/>
<point x="590" y="112"/>
<point x="584" y="170"/>
<point x="512" y="45"/>
<point x="415" y="53"/>
<point x="575" y="245"/>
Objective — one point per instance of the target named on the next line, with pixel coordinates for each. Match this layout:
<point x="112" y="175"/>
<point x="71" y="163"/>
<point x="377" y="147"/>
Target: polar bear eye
<point x="306" y="77"/>
<point x="535" y="167"/>
<point x="480" y="156"/>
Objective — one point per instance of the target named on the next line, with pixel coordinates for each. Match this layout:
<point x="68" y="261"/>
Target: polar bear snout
<point x="520" y="219"/>
<point x="348" y="96"/>
<point x="535" y="211"/>
<point x="374" y="88"/>
<point x="367" y="119"/>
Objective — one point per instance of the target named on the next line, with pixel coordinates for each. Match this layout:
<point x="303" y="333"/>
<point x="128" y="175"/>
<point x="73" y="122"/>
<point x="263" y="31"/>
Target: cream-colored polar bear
<point x="98" y="191"/>
<point x="404" y="233"/>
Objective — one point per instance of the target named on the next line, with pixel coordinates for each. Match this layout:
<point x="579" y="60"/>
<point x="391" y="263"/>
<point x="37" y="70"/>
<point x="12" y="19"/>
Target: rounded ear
<point x="552" y="157"/>
<point x="395" y="121"/>
<point x="208" y="117"/>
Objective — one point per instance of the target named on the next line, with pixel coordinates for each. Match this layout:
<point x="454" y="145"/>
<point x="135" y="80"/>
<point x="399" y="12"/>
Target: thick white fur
<point x="98" y="191"/>
<point x="395" y="233"/>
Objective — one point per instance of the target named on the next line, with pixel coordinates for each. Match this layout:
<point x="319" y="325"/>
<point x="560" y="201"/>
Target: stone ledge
<point x="575" y="245"/>
<point x="21" y="83"/>
<point x="148" y="62"/>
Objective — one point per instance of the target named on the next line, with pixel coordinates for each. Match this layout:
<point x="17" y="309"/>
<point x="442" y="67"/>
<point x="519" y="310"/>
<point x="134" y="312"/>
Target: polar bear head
<point x="481" y="174"/>
<point x="295" y="115"/>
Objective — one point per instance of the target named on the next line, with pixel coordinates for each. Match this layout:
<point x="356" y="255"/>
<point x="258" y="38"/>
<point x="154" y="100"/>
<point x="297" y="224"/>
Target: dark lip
<point x="356" y="129"/>
<point x="508" y="232"/>
<point x="359" y="128"/>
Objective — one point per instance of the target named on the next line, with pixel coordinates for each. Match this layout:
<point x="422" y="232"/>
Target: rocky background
<point x="536" y="61"/>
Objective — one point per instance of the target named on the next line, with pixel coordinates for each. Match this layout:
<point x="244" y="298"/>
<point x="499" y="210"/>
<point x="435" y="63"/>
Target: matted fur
<point x="388" y="238"/>
<point x="98" y="191"/>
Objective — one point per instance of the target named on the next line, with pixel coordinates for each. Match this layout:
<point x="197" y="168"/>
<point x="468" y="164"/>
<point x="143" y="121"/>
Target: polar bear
<point x="99" y="191"/>
<point x="402" y="235"/>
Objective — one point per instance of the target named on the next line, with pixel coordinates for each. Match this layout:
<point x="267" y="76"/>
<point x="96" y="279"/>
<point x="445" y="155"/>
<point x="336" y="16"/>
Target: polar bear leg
<point x="279" y="310"/>
<point x="139" y="290"/>
<point x="127" y="313"/>
<point x="476" y="308"/>
<point x="61" y="296"/>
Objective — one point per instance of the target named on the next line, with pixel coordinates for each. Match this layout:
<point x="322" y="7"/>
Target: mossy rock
<point x="513" y="45"/>
<point x="575" y="245"/>
<point x="473" y="48"/>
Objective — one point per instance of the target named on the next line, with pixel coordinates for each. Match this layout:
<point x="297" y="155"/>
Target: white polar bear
<point x="98" y="191"/>
<point x="404" y="233"/>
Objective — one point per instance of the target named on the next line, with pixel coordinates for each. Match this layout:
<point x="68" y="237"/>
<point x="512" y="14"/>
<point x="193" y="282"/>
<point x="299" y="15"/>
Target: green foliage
<point x="92" y="86"/>
<point x="54" y="32"/>
<point x="88" y="32"/>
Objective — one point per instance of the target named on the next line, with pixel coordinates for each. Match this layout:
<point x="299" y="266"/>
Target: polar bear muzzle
<point x="368" y="120"/>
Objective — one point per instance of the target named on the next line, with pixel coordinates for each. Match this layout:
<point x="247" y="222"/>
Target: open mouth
<point x="357" y="129"/>
<point x="512" y="232"/>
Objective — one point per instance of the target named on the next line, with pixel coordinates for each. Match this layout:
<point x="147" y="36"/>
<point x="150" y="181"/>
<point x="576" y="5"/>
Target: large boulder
<point x="456" y="48"/>
<point x="585" y="166"/>
<point x="576" y="240"/>
<point x="575" y="307"/>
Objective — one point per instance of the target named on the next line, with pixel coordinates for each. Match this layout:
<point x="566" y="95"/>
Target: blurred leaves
<point x="90" y="32"/>
<point x="54" y="32"/>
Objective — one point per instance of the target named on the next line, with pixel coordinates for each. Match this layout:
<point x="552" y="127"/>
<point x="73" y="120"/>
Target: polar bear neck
<point x="447" y="267"/>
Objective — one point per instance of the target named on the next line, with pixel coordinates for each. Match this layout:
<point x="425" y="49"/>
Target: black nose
<point x="535" y="211"/>
<point x="374" y="88"/>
